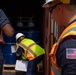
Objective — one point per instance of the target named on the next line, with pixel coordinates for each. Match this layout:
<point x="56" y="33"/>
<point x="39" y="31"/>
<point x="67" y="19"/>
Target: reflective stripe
<point x="28" y="48"/>
<point x="72" y="29"/>
<point x="32" y="53"/>
<point x="56" y="72"/>
<point x="67" y="33"/>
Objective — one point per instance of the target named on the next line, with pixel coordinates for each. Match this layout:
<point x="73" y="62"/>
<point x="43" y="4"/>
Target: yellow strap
<point x="70" y="26"/>
<point x="54" y="63"/>
<point x="53" y="49"/>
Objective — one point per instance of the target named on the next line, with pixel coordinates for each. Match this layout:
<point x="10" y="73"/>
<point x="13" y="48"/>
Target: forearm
<point x="8" y="30"/>
<point x="5" y="24"/>
<point x="18" y="50"/>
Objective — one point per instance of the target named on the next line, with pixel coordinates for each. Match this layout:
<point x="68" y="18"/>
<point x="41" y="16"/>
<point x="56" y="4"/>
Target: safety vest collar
<point x="70" y="30"/>
<point x="72" y="22"/>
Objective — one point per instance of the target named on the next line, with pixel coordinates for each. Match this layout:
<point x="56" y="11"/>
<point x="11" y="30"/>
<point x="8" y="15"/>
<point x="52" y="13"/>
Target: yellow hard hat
<point x="63" y="1"/>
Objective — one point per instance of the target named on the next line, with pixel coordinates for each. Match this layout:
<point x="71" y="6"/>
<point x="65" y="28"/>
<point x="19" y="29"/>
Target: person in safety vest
<point x="28" y="49"/>
<point x="5" y="26"/>
<point x="63" y="52"/>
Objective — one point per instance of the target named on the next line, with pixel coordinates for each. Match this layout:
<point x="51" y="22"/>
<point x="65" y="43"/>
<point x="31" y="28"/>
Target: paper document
<point x="13" y="48"/>
<point x="21" y="65"/>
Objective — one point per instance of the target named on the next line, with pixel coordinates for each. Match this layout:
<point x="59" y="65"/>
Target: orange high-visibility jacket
<point x="70" y="30"/>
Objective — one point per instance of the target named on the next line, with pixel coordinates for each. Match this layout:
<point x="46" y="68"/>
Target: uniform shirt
<point x="3" y="19"/>
<point x="19" y="51"/>
<point x="67" y="64"/>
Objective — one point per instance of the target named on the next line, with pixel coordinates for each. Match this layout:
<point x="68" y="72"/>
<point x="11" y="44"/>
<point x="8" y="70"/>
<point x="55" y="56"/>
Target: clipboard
<point x="21" y="65"/>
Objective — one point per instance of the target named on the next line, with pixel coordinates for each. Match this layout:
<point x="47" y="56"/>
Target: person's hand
<point x="17" y="46"/>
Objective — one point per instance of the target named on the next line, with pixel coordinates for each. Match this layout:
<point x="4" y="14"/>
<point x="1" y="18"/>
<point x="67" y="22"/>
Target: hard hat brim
<point x="18" y="35"/>
<point x="46" y="5"/>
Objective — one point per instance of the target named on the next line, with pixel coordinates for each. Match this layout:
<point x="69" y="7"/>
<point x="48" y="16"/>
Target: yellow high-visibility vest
<point x="31" y="49"/>
<point x="70" y="30"/>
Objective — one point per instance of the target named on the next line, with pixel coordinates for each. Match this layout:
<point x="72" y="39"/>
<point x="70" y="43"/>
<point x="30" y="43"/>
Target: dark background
<point x="14" y="9"/>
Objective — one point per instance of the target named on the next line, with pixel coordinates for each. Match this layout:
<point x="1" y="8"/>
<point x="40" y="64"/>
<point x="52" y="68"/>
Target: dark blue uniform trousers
<point x="32" y="65"/>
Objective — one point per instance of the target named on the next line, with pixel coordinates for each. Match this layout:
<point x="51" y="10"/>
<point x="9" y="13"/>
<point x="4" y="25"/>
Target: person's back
<point x="30" y="46"/>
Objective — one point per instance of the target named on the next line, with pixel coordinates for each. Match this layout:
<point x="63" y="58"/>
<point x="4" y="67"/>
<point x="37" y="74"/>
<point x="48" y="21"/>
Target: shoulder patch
<point x="71" y="53"/>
